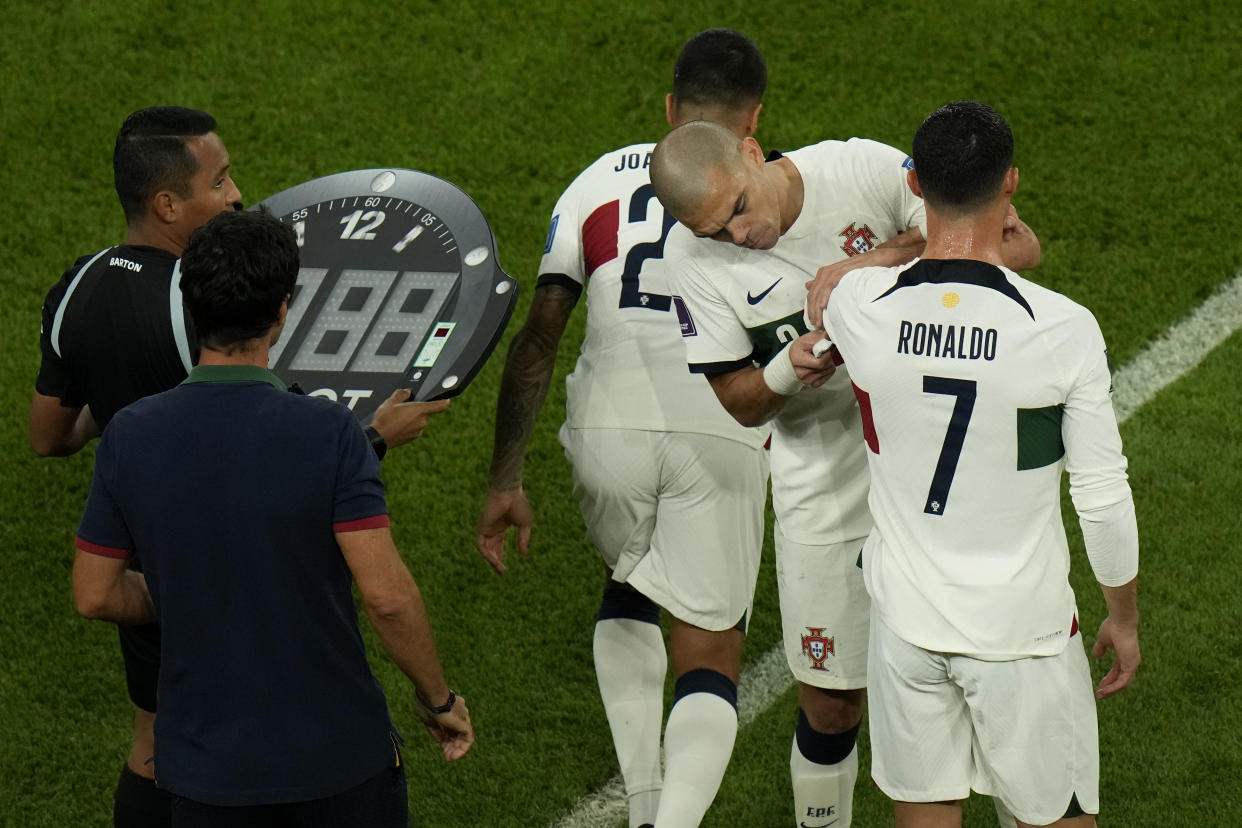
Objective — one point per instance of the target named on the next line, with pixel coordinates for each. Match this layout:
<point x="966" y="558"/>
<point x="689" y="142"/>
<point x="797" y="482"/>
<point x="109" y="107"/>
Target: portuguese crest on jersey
<point x="818" y="647"/>
<point x="858" y="240"/>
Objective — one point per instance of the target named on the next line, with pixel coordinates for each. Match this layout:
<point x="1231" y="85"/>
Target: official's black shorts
<point x="380" y="802"/>
<point x="140" y="647"/>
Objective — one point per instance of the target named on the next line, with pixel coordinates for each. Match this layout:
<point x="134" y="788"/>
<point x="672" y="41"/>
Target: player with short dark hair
<point x="966" y="150"/>
<point x="977" y="387"/>
<point x="114" y="330"/>
<point x="255" y="511"/>
<point x="717" y="69"/>
<point x="671" y="488"/>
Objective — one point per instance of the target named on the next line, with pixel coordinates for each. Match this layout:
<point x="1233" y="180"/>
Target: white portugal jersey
<point x="608" y="233"/>
<point x="977" y="387"/>
<point x="743" y="305"/>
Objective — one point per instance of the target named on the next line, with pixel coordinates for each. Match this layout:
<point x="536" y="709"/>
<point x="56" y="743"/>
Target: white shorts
<point x="678" y="516"/>
<point x="1023" y="731"/>
<point x="824" y="612"/>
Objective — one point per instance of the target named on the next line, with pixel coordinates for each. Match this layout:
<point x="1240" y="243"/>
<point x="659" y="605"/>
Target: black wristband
<point x="444" y="708"/>
<point x="378" y="443"/>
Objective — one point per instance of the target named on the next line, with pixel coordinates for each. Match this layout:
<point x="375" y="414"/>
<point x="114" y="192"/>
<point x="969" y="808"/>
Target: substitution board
<point x="399" y="287"/>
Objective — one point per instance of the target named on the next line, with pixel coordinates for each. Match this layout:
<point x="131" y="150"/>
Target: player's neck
<point x="144" y="235"/>
<point x="791" y="188"/>
<point x="737" y="122"/>
<point x="977" y="236"/>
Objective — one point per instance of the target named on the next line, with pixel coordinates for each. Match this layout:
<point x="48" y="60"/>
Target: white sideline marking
<point x="1178" y="349"/>
<point x="1173" y="353"/>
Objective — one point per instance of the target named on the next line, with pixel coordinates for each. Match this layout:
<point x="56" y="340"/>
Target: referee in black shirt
<point x="114" y="331"/>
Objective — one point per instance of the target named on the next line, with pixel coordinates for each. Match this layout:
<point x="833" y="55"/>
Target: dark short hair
<point x="961" y="153"/>
<point x="235" y="272"/>
<point x="151" y="154"/>
<point x="720" y="67"/>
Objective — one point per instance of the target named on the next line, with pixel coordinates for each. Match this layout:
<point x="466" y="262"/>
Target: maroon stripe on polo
<point x="105" y="551"/>
<point x="376" y="522"/>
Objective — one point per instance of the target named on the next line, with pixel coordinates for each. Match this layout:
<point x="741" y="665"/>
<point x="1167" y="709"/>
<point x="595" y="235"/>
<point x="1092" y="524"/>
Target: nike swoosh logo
<point x="826" y="824"/>
<point x="754" y="300"/>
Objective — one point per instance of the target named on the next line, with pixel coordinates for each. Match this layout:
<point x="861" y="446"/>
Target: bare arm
<point x="55" y="430"/>
<point x="910" y="242"/>
<point x="1119" y="632"/>
<point x="904" y="247"/>
<point x="755" y="395"/>
<point x="400" y="422"/>
<point x="395" y="607"/>
<point x="746" y="396"/>
<point x="1019" y="245"/>
<point x="108" y="590"/>
<point x="523" y="388"/>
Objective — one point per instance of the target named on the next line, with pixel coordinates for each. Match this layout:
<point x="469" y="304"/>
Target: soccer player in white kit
<point x="784" y="219"/>
<point x="671" y="487"/>
<point x="809" y="208"/>
<point x="977" y="387"/>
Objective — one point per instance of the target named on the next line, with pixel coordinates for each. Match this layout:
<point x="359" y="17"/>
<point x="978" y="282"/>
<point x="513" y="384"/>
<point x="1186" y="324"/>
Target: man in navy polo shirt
<point x="114" y="330"/>
<point x="254" y="509"/>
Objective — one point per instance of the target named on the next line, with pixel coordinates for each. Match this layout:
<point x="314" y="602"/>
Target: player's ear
<point x="164" y="206"/>
<point x="752" y="150"/>
<point x="670" y="106"/>
<point x="1010" y="184"/>
<point x="912" y="181"/>
<point x="752" y="120"/>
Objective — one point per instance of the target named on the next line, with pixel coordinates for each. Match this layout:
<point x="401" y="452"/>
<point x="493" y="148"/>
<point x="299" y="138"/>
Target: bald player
<point x="671" y="488"/>
<point x="781" y="221"/>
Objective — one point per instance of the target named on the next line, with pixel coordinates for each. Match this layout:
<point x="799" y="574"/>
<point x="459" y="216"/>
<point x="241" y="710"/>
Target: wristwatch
<point x="377" y="442"/>
<point x="444" y="708"/>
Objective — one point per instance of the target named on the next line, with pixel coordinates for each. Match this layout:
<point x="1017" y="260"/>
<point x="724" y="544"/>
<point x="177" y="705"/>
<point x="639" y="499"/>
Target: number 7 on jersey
<point x="954" y="437"/>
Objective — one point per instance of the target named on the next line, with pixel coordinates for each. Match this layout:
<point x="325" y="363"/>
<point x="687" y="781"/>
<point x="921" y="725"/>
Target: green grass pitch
<point x="1128" y="118"/>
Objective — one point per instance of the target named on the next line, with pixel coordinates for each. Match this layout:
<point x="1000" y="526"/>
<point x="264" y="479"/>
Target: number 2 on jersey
<point x="954" y="437"/>
<point x="631" y="295"/>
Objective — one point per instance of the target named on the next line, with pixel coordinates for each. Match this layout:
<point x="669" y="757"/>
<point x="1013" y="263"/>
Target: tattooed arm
<point x="528" y="373"/>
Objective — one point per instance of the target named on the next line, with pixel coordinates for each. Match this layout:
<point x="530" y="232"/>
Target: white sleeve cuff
<point x="1110" y="535"/>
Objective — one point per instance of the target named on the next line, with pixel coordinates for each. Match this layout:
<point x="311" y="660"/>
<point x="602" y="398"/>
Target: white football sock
<point x="630" y="662"/>
<point x="697" y="744"/>
<point x="823" y="793"/>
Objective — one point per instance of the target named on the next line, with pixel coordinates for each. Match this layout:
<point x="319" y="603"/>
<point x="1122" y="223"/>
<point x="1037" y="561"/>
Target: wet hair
<point x="962" y="153"/>
<point x="152" y="154"/>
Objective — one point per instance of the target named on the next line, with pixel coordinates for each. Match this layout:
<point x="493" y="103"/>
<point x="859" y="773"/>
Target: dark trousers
<point x="380" y="802"/>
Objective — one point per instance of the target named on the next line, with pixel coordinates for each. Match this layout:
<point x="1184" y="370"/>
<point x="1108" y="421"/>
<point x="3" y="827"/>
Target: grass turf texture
<point x="1127" y="118"/>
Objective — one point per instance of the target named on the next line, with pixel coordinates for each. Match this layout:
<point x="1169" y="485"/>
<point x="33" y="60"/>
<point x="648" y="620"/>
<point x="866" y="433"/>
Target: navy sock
<point x="705" y="681"/>
<point x="625" y="602"/>
<point x="824" y="748"/>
